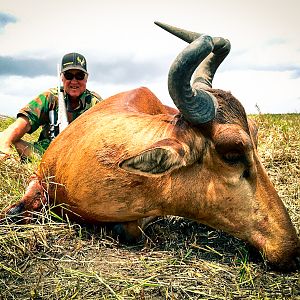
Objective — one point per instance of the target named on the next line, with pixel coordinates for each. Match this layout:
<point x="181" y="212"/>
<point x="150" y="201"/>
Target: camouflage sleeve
<point x="37" y="111"/>
<point x="96" y="98"/>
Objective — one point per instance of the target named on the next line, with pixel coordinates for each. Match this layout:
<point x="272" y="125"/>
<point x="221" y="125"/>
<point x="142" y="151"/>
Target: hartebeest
<point x="131" y="157"/>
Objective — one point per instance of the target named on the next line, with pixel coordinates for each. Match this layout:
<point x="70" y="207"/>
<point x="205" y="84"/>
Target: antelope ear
<point x="253" y="131"/>
<point x="159" y="159"/>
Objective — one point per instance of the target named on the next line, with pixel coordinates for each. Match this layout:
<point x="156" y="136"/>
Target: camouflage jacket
<point x="37" y="110"/>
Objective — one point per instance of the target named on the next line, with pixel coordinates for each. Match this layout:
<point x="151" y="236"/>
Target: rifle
<point x="62" y="120"/>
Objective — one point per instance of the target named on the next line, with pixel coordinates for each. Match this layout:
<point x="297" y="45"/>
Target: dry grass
<point x="178" y="259"/>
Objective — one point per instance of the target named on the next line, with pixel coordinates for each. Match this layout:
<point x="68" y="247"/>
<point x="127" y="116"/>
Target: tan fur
<point x="131" y="157"/>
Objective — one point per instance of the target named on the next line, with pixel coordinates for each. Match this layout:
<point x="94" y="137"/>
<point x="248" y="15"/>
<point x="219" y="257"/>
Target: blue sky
<point x="125" y="50"/>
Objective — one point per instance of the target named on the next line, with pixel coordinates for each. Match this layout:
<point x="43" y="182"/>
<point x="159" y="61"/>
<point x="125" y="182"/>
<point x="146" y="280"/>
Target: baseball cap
<point x="73" y="61"/>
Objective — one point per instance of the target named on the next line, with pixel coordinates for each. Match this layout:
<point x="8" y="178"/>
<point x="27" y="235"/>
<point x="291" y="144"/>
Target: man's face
<point x="74" y="82"/>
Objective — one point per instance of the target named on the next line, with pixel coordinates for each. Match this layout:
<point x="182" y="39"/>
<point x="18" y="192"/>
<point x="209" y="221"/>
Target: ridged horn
<point x="206" y="71"/>
<point x="204" y="74"/>
<point x="196" y="105"/>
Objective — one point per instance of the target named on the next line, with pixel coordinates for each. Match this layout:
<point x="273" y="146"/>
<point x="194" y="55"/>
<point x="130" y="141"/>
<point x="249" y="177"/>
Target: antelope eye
<point x="233" y="157"/>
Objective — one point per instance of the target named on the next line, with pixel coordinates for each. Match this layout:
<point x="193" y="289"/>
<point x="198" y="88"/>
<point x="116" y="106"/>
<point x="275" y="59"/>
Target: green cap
<point x="73" y="61"/>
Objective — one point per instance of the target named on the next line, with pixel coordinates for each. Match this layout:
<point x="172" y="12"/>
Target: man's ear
<point x="159" y="159"/>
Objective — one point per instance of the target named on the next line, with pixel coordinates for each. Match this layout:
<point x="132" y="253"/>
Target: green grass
<point x="179" y="259"/>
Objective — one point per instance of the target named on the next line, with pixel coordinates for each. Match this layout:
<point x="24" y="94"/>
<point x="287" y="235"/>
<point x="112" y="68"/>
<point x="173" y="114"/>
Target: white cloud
<point x="264" y="37"/>
<point x="273" y="92"/>
<point x="17" y="91"/>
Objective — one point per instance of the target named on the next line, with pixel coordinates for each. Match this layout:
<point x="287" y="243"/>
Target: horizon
<point x="262" y="69"/>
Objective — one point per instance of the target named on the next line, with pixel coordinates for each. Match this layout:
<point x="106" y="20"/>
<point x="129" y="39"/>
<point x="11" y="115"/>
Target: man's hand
<point x="12" y="135"/>
<point x="5" y="149"/>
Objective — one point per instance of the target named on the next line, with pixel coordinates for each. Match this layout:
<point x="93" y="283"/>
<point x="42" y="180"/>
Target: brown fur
<point x="230" y="110"/>
<point x="130" y="157"/>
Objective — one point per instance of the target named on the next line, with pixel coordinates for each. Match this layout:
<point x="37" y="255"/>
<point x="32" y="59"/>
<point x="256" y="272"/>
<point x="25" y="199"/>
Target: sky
<point x="125" y="49"/>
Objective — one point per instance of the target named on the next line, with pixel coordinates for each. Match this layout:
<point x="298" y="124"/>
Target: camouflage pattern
<point x="37" y="111"/>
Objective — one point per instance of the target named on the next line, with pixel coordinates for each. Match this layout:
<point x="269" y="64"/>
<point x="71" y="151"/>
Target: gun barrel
<point x="62" y="110"/>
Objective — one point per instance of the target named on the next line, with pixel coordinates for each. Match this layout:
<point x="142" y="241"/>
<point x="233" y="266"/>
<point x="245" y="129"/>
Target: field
<point x="178" y="258"/>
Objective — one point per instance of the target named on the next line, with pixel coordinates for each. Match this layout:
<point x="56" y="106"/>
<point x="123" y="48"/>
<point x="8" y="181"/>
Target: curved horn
<point x="196" y="105"/>
<point x="206" y="54"/>
<point x="204" y="75"/>
<point x="185" y="35"/>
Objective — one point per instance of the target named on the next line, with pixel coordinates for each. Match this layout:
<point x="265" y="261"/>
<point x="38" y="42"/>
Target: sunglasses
<point x="78" y="75"/>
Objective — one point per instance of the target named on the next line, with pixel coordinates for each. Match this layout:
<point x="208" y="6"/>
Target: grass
<point x="178" y="259"/>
